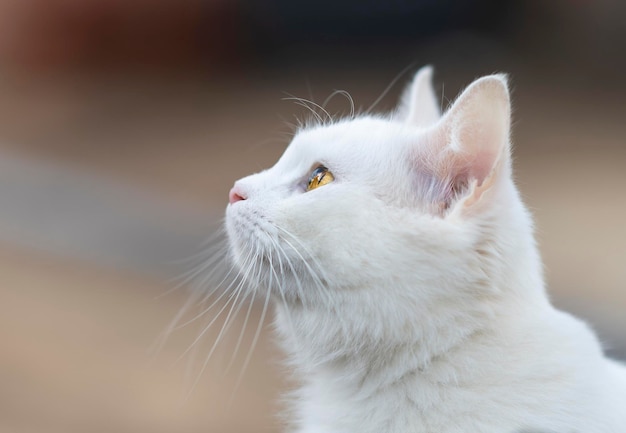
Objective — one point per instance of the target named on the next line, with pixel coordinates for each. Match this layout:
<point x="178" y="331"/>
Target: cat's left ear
<point x="469" y="147"/>
<point x="418" y="106"/>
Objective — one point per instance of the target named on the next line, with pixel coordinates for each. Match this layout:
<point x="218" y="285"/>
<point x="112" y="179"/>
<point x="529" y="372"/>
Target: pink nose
<point x="235" y="195"/>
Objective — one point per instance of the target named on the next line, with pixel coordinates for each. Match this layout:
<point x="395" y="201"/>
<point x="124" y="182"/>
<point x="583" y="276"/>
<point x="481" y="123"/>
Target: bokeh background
<point x="123" y="125"/>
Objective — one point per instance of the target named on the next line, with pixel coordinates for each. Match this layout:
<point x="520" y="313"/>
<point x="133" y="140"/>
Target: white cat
<point x="407" y="284"/>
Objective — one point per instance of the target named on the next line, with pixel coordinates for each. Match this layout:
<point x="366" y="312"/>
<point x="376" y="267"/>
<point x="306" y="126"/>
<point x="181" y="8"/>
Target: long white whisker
<point x="206" y="259"/>
<point x="216" y="239"/>
<point x="227" y="321"/>
<point x="223" y="293"/>
<point x="201" y="284"/>
<point x="207" y="327"/>
<point x="301" y="291"/>
<point x="157" y="346"/>
<point x="281" y="281"/>
<point x="388" y="88"/>
<point x="301" y="245"/>
<point x="192" y="275"/>
<point x="209" y="308"/>
<point x="312" y="272"/>
<point x="346" y="95"/>
<point x="443" y="88"/>
<point x="255" y="340"/>
<point x="241" y="334"/>
<point x="301" y="102"/>
<point x="204" y="263"/>
<point x="240" y="339"/>
<point x="330" y="118"/>
<point x="305" y="102"/>
<point x="213" y="347"/>
<point x="235" y="292"/>
<point x="315" y="113"/>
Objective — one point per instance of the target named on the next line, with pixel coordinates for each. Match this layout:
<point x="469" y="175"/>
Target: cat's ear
<point x="469" y="146"/>
<point x="418" y="105"/>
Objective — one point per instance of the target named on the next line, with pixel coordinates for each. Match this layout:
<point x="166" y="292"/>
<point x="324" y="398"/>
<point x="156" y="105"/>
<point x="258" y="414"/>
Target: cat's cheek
<point x="338" y="233"/>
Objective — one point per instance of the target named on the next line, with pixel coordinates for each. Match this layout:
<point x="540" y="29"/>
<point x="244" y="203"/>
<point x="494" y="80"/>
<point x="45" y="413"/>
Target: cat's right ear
<point x="467" y="151"/>
<point x="418" y="106"/>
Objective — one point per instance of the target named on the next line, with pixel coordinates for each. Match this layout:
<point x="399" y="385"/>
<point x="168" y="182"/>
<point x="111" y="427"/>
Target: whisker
<point x="239" y="340"/>
<point x="293" y="127"/>
<point x="207" y="309"/>
<point x="281" y="282"/>
<point x="227" y="321"/>
<point x="235" y="307"/>
<point x="301" y="291"/>
<point x="191" y="275"/>
<point x="316" y="278"/>
<point x="235" y="293"/>
<point x="207" y="327"/>
<point x="306" y="102"/>
<point x="306" y="250"/>
<point x="241" y="334"/>
<point x="255" y="340"/>
<point x="214" y="254"/>
<point x="389" y="87"/>
<point x="315" y="113"/>
<point x="157" y="346"/>
<point x="299" y="122"/>
<point x="330" y="118"/>
<point x="199" y="287"/>
<point x="346" y="95"/>
<point x="189" y="375"/>
<point x="443" y="98"/>
<point x="205" y="247"/>
<point x="202" y="284"/>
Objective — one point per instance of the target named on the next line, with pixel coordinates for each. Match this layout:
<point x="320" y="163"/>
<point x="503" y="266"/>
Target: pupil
<point x="317" y="176"/>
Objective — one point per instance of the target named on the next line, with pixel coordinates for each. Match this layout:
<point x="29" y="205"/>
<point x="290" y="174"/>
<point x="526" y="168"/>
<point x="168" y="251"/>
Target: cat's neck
<point x="387" y="389"/>
<point x="328" y="343"/>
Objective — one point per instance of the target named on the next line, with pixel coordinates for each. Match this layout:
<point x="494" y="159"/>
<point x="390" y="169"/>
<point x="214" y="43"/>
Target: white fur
<point x="409" y="292"/>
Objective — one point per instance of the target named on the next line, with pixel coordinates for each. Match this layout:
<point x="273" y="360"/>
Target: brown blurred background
<point x="124" y="123"/>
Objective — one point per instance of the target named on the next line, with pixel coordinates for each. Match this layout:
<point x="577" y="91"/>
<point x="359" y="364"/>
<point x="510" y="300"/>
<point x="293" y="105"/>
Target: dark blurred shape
<point x="226" y="36"/>
<point x="280" y="29"/>
<point x="62" y="34"/>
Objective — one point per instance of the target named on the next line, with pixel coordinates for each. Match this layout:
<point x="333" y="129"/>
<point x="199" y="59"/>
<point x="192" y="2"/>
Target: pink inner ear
<point x="467" y="169"/>
<point x="482" y="166"/>
<point x="464" y="179"/>
<point x="478" y="128"/>
<point x="470" y="142"/>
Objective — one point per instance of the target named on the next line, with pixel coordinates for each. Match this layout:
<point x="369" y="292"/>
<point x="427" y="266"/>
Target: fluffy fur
<point x="409" y="293"/>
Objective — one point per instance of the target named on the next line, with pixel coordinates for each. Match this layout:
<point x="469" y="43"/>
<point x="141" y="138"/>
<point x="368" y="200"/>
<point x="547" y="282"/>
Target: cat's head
<point x="379" y="202"/>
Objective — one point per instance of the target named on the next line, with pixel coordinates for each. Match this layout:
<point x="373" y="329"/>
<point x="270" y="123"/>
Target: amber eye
<point x="320" y="177"/>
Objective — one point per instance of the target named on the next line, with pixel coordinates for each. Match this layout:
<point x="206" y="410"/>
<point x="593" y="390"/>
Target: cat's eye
<point x="320" y="177"/>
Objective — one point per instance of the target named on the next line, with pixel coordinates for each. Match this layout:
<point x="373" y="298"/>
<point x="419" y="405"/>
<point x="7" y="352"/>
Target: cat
<point x="406" y="281"/>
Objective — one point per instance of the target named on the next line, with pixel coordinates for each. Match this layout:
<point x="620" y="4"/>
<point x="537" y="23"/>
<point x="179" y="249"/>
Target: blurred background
<point x="124" y="124"/>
